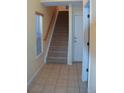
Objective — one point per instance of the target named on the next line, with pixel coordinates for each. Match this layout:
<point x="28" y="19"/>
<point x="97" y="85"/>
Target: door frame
<point x="70" y="39"/>
<point x="69" y="59"/>
<point x="85" y="64"/>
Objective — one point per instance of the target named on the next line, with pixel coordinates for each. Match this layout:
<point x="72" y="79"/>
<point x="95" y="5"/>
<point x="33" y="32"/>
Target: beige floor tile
<point x="76" y="90"/>
<point x="39" y="83"/>
<point x="70" y="90"/>
<point x="44" y="76"/>
<point x="83" y="90"/>
<point x="73" y="83"/>
<point x="53" y="77"/>
<point x="51" y="82"/>
<point x="73" y="78"/>
<point x="61" y="90"/>
<point x="36" y="89"/>
<point x="82" y="84"/>
<point x="63" y="77"/>
<point x="49" y="89"/>
<point x="61" y="83"/>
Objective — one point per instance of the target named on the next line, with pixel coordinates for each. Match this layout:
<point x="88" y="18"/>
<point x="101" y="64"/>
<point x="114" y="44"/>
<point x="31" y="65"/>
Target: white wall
<point x="33" y="63"/>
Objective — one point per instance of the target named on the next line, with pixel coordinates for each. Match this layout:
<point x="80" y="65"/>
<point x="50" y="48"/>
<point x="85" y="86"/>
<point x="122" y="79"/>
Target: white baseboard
<point x="69" y="63"/>
<point x="91" y="91"/>
<point x="49" y="41"/>
<point x="34" y="76"/>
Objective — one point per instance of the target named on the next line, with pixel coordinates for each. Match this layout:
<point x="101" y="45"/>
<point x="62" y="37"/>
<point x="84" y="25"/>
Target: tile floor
<point x="59" y="78"/>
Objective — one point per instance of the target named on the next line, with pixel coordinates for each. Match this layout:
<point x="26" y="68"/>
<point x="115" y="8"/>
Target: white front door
<point x="85" y="58"/>
<point x="78" y="38"/>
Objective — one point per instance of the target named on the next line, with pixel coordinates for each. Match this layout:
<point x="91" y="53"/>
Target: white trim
<point x="89" y="75"/>
<point x="34" y="76"/>
<point x="60" y="2"/>
<point x="49" y="41"/>
<point x="69" y="60"/>
<point x="39" y="55"/>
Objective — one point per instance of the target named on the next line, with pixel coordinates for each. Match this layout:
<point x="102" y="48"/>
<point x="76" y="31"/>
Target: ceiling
<point x="60" y="2"/>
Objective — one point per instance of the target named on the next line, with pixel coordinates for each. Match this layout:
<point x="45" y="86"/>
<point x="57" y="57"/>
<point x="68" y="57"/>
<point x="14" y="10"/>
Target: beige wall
<point x="33" y="63"/>
<point x="92" y="59"/>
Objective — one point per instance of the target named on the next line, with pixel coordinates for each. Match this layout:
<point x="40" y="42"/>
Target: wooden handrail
<point x="38" y="13"/>
<point x="51" y="22"/>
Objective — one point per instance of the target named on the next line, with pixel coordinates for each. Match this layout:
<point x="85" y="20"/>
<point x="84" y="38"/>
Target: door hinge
<point x="88" y="15"/>
<point x="87" y="43"/>
<point x="87" y="70"/>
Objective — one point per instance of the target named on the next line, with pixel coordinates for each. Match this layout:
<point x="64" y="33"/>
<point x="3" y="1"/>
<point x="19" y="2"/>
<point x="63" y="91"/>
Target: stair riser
<point x="57" y="54"/>
<point x="63" y="51"/>
<point x="61" y="31"/>
<point x="58" y="34"/>
<point x="59" y="44"/>
<point x="56" y="61"/>
<point x="58" y="49"/>
<point x="60" y="39"/>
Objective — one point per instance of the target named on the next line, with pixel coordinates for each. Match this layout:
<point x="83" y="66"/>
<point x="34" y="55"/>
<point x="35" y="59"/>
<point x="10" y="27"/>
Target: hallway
<point x="59" y="78"/>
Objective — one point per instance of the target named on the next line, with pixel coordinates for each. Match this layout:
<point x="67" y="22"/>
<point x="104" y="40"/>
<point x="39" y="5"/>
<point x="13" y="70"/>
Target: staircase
<point x="59" y="44"/>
